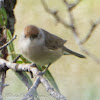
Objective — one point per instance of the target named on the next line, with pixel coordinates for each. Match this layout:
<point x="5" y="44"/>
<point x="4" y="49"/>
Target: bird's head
<point x="31" y="32"/>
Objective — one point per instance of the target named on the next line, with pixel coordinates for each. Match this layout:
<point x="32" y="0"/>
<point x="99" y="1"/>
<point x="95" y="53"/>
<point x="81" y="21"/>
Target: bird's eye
<point x="24" y="36"/>
<point x="33" y="37"/>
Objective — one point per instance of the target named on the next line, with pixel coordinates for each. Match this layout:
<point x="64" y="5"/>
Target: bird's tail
<point x="68" y="52"/>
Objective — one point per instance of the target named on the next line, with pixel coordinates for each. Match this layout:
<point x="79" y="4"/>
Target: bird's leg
<point x="33" y="65"/>
<point x="43" y="72"/>
<point x="46" y="68"/>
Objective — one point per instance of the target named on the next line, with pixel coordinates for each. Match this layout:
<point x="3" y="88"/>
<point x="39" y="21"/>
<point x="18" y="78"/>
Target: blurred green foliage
<point x="3" y="17"/>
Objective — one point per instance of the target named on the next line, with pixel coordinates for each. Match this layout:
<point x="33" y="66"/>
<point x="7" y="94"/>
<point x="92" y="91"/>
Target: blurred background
<point x="77" y="79"/>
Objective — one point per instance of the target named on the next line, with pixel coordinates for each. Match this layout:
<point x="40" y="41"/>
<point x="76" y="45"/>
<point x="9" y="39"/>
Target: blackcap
<point x="42" y="47"/>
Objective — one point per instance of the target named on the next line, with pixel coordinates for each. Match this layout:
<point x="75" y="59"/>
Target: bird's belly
<point x="42" y="55"/>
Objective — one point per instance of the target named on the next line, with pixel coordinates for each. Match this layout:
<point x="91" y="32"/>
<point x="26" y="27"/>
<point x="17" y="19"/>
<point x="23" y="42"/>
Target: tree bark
<point x="9" y="7"/>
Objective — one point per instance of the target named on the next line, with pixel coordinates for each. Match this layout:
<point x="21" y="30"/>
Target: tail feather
<point x="68" y="51"/>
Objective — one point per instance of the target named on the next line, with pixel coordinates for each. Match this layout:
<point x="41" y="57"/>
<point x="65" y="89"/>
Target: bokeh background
<point x="77" y="79"/>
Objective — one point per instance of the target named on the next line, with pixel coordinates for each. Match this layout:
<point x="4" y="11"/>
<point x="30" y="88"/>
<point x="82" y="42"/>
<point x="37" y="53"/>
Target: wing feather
<point x="52" y="41"/>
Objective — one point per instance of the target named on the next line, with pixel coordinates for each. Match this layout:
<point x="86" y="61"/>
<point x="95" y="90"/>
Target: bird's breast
<point x="40" y="54"/>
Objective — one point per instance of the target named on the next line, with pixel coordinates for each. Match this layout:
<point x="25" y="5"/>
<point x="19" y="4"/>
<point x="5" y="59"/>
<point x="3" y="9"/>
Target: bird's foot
<point x="33" y="65"/>
<point x="43" y="72"/>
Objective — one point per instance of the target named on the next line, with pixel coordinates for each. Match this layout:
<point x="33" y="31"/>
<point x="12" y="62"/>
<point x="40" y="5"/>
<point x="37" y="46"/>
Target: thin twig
<point x="93" y="27"/>
<point x="54" y="13"/>
<point x="71" y="20"/>
<point x="72" y="6"/>
<point x="15" y="60"/>
<point x="5" y="45"/>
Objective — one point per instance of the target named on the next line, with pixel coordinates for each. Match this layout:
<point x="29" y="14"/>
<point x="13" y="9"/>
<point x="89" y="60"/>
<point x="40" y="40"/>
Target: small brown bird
<point x="42" y="47"/>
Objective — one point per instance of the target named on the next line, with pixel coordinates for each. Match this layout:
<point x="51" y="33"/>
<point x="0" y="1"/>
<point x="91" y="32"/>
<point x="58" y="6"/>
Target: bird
<point x="42" y="47"/>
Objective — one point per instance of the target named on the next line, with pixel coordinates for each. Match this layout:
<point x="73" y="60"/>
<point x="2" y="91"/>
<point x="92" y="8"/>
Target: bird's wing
<point x="53" y="42"/>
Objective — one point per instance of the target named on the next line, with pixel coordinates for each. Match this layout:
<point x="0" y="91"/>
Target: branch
<point x="77" y="39"/>
<point x="38" y="79"/>
<point x="32" y="89"/>
<point x="3" y="76"/>
<point x="73" y="28"/>
<point x="72" y="6"/>
<point x="2" y="85"/>
<point x="93" y="27"/>
<point x="56" y="16"/>
<point x="5" y="45"/>
<point x="54" y="13"/>
<point x="50" y="90"/>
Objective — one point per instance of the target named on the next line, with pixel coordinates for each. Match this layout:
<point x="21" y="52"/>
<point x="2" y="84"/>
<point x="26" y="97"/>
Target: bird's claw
<point x="40" y="73"/>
